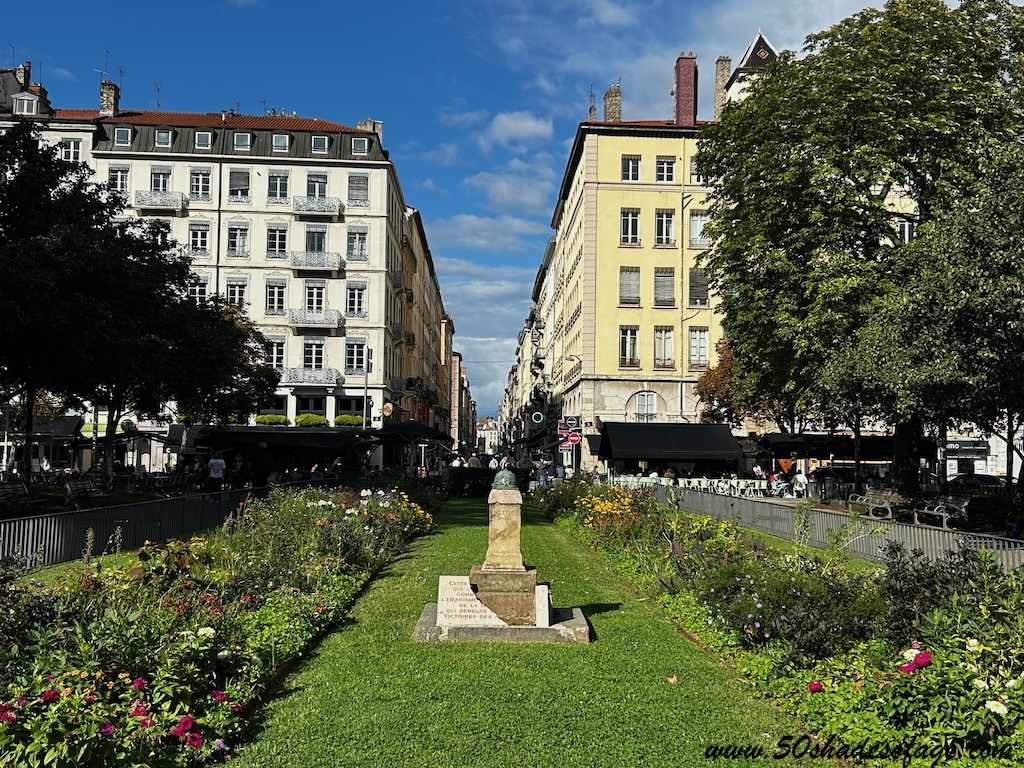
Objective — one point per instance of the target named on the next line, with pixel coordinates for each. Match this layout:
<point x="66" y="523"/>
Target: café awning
<point x="662" y="442"/>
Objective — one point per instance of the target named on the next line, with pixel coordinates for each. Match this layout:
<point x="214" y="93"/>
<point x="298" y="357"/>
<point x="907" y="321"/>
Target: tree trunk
<point x="906" y="460"/>
<point x="858" y="486"/>
<point x="113" y="416"/>
<point x="1011" y="430"/>
<point x="25" y="470"/>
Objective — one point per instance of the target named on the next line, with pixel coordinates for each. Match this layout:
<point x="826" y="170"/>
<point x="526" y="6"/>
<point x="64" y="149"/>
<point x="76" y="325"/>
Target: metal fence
<point x="864" y="540"/>
<point x="61" y="537"/>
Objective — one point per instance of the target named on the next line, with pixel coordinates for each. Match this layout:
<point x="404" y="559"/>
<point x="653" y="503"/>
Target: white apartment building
<point x="302" y="222"/>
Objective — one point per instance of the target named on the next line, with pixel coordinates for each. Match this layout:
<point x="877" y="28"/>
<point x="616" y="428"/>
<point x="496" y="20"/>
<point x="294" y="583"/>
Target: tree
<point x="891" y="106"/>
<point x="97" y="304"/>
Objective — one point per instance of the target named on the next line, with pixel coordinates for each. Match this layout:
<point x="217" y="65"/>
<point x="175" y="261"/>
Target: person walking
<point x="215" y="478"/>
<point x="799" y="484"/>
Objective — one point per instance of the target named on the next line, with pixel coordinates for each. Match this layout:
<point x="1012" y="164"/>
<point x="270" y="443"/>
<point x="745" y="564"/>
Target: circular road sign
<point x="575" y="437"/>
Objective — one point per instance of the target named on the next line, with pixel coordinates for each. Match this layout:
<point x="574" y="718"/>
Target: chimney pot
<point x="110" y="98"/>
<point x="613" y="104"/>
<point x="686" y="90"/>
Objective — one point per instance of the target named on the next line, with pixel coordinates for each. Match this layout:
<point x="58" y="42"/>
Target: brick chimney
<point x="613" y="104"/>
<point x="723" y="68"/>
<point x="110" y="98"/>
<point x="37" y="88"/>
<point x="23" y="74"/>
<point x="685" y="90"/>
<point x="377" y="126"/>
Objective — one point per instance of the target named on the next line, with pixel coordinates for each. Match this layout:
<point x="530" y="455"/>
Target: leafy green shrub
<point x="347" y="420"/>
<point x="272" y="419"/>
<point x="311" y="420"/>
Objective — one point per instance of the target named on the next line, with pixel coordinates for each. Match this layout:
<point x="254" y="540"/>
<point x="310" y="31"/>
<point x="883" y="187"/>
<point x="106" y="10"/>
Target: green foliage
<point x="347" y="420"/>
<point x="272" y="419"/>
<point x="311" y="420"/>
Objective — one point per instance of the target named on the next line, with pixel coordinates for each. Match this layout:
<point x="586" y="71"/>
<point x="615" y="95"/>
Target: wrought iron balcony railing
<point x="311" y="376"/>
<point x="163" y="200"/>
<point x="327" y="318"/>
<point x="316" y="260"/>
<point x="329" y="206"/>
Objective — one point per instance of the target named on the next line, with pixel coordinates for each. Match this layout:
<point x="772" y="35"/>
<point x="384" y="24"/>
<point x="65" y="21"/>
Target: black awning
<point x="312" y="438"/>
<point x="594" y="443"/>
<point x="65" y="426"/>
<point x="669" y="441"/>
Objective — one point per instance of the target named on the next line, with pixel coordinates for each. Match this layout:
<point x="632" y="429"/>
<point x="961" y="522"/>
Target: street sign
<point x="565" y="447"/>
<point x="571" y="422"/>
<point x="575" y="437"/>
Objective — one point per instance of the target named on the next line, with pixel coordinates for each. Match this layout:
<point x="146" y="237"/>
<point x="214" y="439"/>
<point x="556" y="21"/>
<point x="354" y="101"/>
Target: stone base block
<point x="486" y="579"/>
<point x="514" y="608"/>
<point x="568" y="625"/>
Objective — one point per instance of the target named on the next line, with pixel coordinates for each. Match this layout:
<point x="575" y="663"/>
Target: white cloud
<point x="243" y="3"/>
<point x="429" y="185"/>
<point x="443" y="154"/>
<point x="516" y="130"/>
<point x="498" y="234"/>
<point x="607" y="14"/>
<point x="456" y="269"/>
<point x="463" y="119"/>
<point x="518" y="186"/>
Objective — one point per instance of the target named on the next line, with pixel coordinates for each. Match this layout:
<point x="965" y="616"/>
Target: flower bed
<point x="161" y="662"/>
<point x="918" y="660"/>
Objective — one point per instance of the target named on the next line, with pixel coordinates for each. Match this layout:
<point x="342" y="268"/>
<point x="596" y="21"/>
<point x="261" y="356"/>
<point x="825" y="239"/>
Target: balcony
<point x="397" y="384"/>
<point x="409" y="295"/>
<point x="328" y="260"/>
<point x="317" y="206"/>
<point x="398" y="331"/>
<point x="328" y="376"/>
<point x="327" y="318"/>
<point x="164" y="202"/>
<point x="398" y="280"/>
<point x="629" y="362"/>
<point x="410" y="339"/>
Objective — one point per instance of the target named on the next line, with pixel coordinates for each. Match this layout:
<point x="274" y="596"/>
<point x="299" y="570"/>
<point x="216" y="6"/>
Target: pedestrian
<point x="215" y="476"/>
<point x="493" y="463"/>
<point x="799" y="484"/>
<point x="474" y="462"/>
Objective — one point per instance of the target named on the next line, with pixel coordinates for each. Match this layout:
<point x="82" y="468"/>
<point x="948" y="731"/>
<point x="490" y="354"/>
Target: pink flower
<point x="7" y="717"/>
<point x="195" y="740"/>
<point x="89" y="698"/>
<point x="915" y="645"/>
<point x="185" y="724"/>
<point x="923" y="659"/>
<point x="22" y="701"/>
<point x="814" y="686"/>
<point x="50" y="695"/>
<point x="238" y="708"/>
<point x="139" y="711"/>
<point x="219" y="696"/>
<point x="140" y="684"/>
<point x="107" y="729"/>
<point x="147" y="722"/>
<point x="908" y="667"/>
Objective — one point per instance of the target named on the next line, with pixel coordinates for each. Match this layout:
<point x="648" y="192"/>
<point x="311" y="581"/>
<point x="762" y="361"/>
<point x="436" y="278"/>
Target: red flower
<point x="195" y="740"/>
<point x="923" y="659"/>
<point x="219" y="696"/>
<point x="50" y="695"/>
<point x="814" y="686"/>
<point x="139" y="711"/>
<point x="7" y="717"/>
<point x="908" y="667"/>
<point x="140" y="684"/>
<point x="238" y="708"/>
<point x="147" y="722"/>
<point x="185" y="724"/>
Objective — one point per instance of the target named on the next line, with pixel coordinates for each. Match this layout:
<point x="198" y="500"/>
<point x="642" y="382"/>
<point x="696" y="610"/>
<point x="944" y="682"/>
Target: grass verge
<point x="641" y="695"/>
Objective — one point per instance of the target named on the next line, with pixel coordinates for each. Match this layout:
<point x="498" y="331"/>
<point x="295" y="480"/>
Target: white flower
<point x="351" y="511"/>
<point x="996" y="706"/>
<point x="910" y="653"/>
<point x="325" y="503"/>
<point x="981" y="684"/>
<point x="208" y="632"/>
<point x="366" y="492"/>
<point x="974" y="646"/>
<point x="225" y="654"/>
<point x="380" y="493"/>
<point x="1012" y="683"/>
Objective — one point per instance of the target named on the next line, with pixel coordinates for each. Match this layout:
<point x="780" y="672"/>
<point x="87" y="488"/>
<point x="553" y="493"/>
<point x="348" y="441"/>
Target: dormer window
<point x="163" y="137"/>
<point x="320" y="145"/>
<point x="204" y="139"/>
<point x="360" y="145"/>
<point x="242" y="142"/>
<point x="26" y="105"/>
<point x="280" y="142"/>
<point x="122" y="137"/>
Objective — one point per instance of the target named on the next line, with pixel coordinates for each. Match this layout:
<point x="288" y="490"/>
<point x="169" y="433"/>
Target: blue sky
<point x="480" y="100"/>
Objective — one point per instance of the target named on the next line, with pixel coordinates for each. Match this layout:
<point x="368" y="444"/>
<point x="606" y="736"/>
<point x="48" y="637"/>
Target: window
<point x="238" y="186"/>
<point x="274" y="350"/>
<point x="313" y="354"/>
<point x="664" y="227"/>
<point x="646" y="407"/>
<point x="629" y="286"/>
<point x="695" y="177"/>
<point x="630" y="230"/>
<point x="25" y="105"/>
<point x="163" y="138"/>
<point x="359" y="190"/>
<point x="242" y="142"/>
<point x="277" y="187"/>
<point x="665" y="169"/>
<point x="316" y="185"/>
<point x="698" y="220"/>
<point x="631" y="167"/>
<point x="197" y="288"/>
<point x="71" y="150"/>
<point x="276" y="297"/>
<point x="698" y="348"/>
<point x="357" y="243"/>
<point x="312" y="405"/>
<point x="238" y="240"/>
<point x="316" y="238"/>
<point x="360" y="145"/>
<point x="664" y="287"/>
<point x="315" y="295"/>
<point x="277" y="241"/>
<point x="236" y="291"/>
<point x="320" y="144"/>
<point x="907" y="231"/>
<point x="355" y="357"/>
<point x="280" y="142"/>
<point x="160" y="180"/>
<point x="199" y="184"/>
<point x="664" y="346"/>
<point x="629" y="353"/>
<point x="355" y="299"/>
<point x="122" y="137"/>
<point x="117" y="178"/>
<point x="199" y="238"/>
<point x="204" y="139"/>
<point x="698" y="288"/>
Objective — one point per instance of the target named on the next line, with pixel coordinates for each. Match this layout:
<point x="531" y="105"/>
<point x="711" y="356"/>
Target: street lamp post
<point x="367" y="367"/>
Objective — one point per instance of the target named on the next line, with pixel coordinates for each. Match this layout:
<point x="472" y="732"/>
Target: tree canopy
<point x="880" y="130"/>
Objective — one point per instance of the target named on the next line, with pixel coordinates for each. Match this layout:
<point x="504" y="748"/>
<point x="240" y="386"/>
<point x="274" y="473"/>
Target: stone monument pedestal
<point x="500" y="600"/>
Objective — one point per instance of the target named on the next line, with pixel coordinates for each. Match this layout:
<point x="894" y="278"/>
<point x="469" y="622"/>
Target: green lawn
<point x="370" y="696"/>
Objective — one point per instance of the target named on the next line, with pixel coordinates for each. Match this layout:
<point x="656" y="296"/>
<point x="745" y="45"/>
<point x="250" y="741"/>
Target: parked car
<point x="975" y="482"/>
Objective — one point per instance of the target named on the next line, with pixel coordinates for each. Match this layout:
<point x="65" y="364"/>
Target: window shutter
<point x="358" y="187"/>
<point x="664" y="287"/>
<point x="698" y="288"/>
<point x="629" y="286"/>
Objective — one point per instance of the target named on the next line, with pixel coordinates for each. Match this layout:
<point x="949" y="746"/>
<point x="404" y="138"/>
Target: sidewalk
<point x="641" y="695"/>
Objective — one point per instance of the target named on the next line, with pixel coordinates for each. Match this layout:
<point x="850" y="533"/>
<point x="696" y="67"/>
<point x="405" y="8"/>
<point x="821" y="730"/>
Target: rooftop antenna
<point x="120" y="77"/>
<point x="264" y="103"/>
<point x="156" y="87"/>
<point x="237" y="109"/>
<point x="14" y="57"/>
